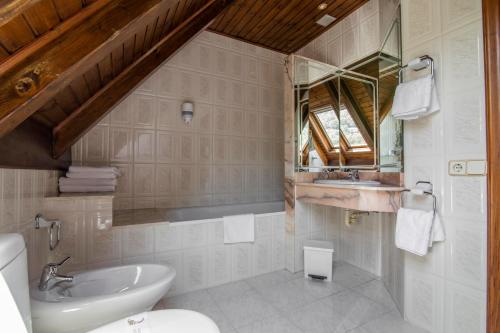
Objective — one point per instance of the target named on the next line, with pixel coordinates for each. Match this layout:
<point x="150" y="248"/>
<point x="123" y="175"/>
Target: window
<point x="350" y="130"/>
<point x="330" y="123"/>
<point x="304" y="135"/>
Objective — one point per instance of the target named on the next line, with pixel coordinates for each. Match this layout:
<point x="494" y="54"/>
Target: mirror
<point x="336" y="112"/>
<point x="343" y="118"/>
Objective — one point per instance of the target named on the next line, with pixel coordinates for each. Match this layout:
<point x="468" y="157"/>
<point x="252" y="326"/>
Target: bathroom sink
<point x="97" y="297"/>
<point x="347" y="182"/>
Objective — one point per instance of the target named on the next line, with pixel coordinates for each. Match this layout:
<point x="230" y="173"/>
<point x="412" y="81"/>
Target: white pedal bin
<point x="318" y="259"/>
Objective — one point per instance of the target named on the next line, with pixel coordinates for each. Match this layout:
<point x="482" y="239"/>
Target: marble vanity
<point x="383" y="198"/>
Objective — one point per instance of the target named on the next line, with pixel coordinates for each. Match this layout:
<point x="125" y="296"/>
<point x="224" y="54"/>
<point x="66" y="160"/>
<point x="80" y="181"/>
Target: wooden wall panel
<point x="491" y="31"/>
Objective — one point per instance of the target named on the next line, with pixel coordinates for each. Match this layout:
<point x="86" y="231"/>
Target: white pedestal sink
<point x="97" y="297"/>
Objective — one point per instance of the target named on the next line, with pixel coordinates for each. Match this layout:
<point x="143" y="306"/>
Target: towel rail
<point x="429" y="192"/>
<point x="417" y="64"/>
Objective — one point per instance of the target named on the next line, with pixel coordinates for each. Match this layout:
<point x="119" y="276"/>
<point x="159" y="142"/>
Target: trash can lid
<point x="317" y="245"/>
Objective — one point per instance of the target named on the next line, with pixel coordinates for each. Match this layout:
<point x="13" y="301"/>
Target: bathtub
<point x="152" y="215"/>
<point x="192" y="241"/>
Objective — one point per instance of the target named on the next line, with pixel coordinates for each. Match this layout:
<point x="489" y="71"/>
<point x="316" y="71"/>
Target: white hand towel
<point x="88" y="181"/>
<point x="413" y="230"/>
<point x="239" y="228"/>
<point x="437" y="231"/>
<point x="415" y="99"/>
<point x="94" y="169"/>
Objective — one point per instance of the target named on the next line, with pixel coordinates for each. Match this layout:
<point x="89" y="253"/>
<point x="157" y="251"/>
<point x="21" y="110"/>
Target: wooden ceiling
<point x="281" y="25"/>
<point x="65" y="63"/>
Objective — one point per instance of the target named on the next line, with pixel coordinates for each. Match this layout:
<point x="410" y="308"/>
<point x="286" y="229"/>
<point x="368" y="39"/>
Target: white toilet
<point x="14" y="295"/>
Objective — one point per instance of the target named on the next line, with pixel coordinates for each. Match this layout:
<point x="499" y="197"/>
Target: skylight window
<point x="304" y="136"/>
<point x="330" y="123"/>
<point x="350" y="130"/>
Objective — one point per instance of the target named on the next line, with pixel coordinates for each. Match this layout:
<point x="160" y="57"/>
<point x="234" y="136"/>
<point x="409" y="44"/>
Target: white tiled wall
<point x="231" y="153"/>
<point x="359" y="244"/>
<point x="446" y="290"/>
<point x="358" y="35"/>
<point x="21" y="197"/>
<point x="195" y="249"/>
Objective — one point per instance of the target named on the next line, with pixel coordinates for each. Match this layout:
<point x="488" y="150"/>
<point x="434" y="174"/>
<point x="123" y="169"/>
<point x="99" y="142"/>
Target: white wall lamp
<point x="187" y="112"/>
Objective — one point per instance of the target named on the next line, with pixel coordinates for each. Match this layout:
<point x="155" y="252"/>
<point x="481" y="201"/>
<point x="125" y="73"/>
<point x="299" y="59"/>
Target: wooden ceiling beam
<point x="34" y="75"/>
<point x="11" y="8"/>
<point x="81" y="120"/>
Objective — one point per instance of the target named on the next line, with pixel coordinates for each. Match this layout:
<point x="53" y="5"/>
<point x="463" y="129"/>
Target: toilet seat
<point x="162" y="321"/>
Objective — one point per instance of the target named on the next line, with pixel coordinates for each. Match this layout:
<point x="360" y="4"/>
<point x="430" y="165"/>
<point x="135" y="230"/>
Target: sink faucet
<point x="354" y="175"/>
<point x="49" y="274"/>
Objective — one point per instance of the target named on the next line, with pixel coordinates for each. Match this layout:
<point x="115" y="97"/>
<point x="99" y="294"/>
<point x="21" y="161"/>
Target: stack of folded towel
<point x="89" y="179"/>
<point x="415" y="99"/>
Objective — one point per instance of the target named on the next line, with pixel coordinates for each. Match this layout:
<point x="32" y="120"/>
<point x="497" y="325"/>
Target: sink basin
<point x="98" y="297"/>
<point x="347" y="182"/>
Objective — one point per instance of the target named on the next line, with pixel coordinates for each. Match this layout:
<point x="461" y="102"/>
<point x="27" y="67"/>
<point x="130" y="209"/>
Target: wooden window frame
<point x="491" y="37"/>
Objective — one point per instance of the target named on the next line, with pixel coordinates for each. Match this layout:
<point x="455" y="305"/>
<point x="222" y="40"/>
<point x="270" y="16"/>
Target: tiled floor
<point x="278" y="302"/>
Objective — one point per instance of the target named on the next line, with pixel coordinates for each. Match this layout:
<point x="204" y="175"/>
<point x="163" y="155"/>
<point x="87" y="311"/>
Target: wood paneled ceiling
<point x="281" y="25"/>
<point x="65" y="63"/>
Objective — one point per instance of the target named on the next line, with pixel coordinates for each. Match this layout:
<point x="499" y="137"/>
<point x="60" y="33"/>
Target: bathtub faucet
<point x="49" y="273"/>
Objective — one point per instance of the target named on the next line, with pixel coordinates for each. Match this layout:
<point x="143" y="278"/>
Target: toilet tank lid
<point x="10" y="247"/>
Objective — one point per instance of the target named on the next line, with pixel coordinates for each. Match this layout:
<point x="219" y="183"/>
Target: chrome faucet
<point x="354" y="175"/>
<point x="49" y="274"/>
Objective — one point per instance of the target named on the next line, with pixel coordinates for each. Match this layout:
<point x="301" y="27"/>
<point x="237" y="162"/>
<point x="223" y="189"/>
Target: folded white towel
<point x="85" y="188"/>
<point x="239" y="228"/>
<point x="415" y="99"/>
<point x="416" y="230"/>
<point x="87" y="181"/>
<point x="85" y="169"/>
<point x="87" y="175"/>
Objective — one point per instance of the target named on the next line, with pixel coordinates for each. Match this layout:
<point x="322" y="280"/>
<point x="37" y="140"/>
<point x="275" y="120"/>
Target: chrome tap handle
<point x="62" y="262"/>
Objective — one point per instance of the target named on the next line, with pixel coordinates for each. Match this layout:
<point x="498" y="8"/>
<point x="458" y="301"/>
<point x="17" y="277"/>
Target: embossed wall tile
<point x="424" y="295"/>
<point x="168" y="82"/>
<point x="252" y="151"/>
<point x="252" y="176"/>
<point x="369" y="36"/>
<point x="222" y="91"/>
<point x="221" y="120"/>
<point x="334" y="52"/>
<point x="368" y="9"/>
<point x="121" y="115"/>
<point x="144" y="108"/>
<point x="195" y="269"/>
<point x="237" y="96"/>
<point x="466" y="198"/>
<point x="465" y="309"/>
<point x="187" y="148"/>
<point x="251" y="69"/>
<point x="96" y="143"/>
<point x="236" y="122"/>
<point x="124" y="182"/>
<point x="186" y="177"/>
<point x="236" y="179"/>
<point x="103" y="245"/>
<point x="205" y="149"/>
<point x="120" y="144"/>
<point x="166" y="146"/>
<point x="252" y="101"/>
<point x="137" y="240"/>
<point x="420" y="21"/>
<point x="144" y="180"/>
<point x="169" y="114"/>
<point x="165" y="179"/>
<point x="202" y="121"/>
<point x="241" y="261"/>
<point x="174" y="259"/>
<point x="144" y="146"/>
<point x="350" y="46"/>
<point x="219" y="265"/>
<point x="466" y="253"/>
<point x="262" y="256"/>
<point x="221" y="179"/>
<point x="252" y="122"/>
<point x="459" y="12"/>
<point x="236" y="150"/>
<point x="205" y="179"/>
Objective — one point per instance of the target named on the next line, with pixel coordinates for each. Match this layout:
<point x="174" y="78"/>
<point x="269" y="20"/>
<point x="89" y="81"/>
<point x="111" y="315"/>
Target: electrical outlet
<point x="457" y="168"/>
<point x="476" y="168"/>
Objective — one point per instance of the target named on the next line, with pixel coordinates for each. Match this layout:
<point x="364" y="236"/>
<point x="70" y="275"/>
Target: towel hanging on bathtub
<point x="415" y="99"/>
<point x="417" y="230"/>
<point x="239" y="228"/>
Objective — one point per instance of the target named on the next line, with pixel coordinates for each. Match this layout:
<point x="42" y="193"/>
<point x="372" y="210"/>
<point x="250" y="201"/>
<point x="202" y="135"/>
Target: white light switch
<point x="476" y="168"/>
<point x="457" y="168"/>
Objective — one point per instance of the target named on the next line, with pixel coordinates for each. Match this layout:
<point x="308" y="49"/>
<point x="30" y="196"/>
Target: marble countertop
<point x="381" y="187"/>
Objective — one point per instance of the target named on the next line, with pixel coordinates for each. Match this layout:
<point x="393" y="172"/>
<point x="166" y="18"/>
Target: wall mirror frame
<point x="343" y="118"/>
